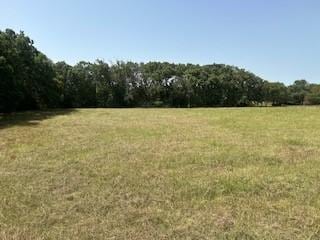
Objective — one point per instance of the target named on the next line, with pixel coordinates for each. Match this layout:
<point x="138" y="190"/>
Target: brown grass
<point x="237" y="173"/>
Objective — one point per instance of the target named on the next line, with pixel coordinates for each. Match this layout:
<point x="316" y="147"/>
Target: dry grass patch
<point x="237" y="173"/>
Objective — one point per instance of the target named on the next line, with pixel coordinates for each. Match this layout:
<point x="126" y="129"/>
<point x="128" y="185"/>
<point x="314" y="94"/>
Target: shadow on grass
<point x="30" y="118"/>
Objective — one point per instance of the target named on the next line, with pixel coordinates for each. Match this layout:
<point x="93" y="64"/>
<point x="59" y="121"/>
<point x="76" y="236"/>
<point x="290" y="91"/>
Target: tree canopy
<point x="30" y="80"/>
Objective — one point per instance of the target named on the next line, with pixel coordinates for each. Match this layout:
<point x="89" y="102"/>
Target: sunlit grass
<point x="246" y="173"/>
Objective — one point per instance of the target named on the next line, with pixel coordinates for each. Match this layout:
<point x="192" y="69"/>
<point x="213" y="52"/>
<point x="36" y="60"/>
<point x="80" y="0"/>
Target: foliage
<point x="26" y="75"/>
<point x="313" y="96"/>
<point x="29" y="80"/>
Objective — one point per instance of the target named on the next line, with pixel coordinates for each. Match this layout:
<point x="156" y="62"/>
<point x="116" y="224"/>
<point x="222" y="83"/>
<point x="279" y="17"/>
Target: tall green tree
<point x="298" y="91"/>
<point x="30" y="80"/>
<point x="276" y="93"/>
<point x="26" y="75"/>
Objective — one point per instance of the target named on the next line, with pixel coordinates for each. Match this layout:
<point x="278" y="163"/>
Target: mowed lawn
<point x="225" y="173"/>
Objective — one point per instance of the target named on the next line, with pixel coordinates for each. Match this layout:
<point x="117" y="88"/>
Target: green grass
<point x="237" y="173"/>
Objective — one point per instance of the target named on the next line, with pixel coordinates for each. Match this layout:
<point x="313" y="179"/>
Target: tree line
<point x="30" y="80"/>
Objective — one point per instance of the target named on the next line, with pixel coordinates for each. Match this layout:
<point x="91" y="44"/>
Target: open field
<point x="237" y="173"/>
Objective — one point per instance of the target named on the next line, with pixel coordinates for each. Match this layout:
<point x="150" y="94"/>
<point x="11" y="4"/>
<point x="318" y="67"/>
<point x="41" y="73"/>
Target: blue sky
<point x="278" y="40"/>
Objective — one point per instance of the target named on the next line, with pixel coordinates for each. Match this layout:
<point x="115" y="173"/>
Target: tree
<point x="26" y="75"/>
<point x="62" y="73"/>
<point x="276" y="93"/>
<point x="313" y="97"/>
<point x="182" y="91"/>
<point x="298" y="91"/>
<point x="103" y="83"/>
<point x="30" y="80"/>
<point x="81" y="88"/>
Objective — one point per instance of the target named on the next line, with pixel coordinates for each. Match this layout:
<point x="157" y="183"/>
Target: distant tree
<point x="103" y="83"/>
<point x="182" y="91"/>
<point x="313" y="97"/>
<point x="276" y="93"/>
<point x="298" y="91"/>
<point x="83" y="89"/>
<point x="119" y="76"/>
<point x="62" y="75"/>
<point x="29" y="80"/>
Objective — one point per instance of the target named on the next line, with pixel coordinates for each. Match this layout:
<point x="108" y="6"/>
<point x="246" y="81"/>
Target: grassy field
<point x="237" y="173"/>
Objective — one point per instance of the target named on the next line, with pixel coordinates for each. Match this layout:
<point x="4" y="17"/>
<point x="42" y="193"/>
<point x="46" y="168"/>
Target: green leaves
<point x="29" y="80"/>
